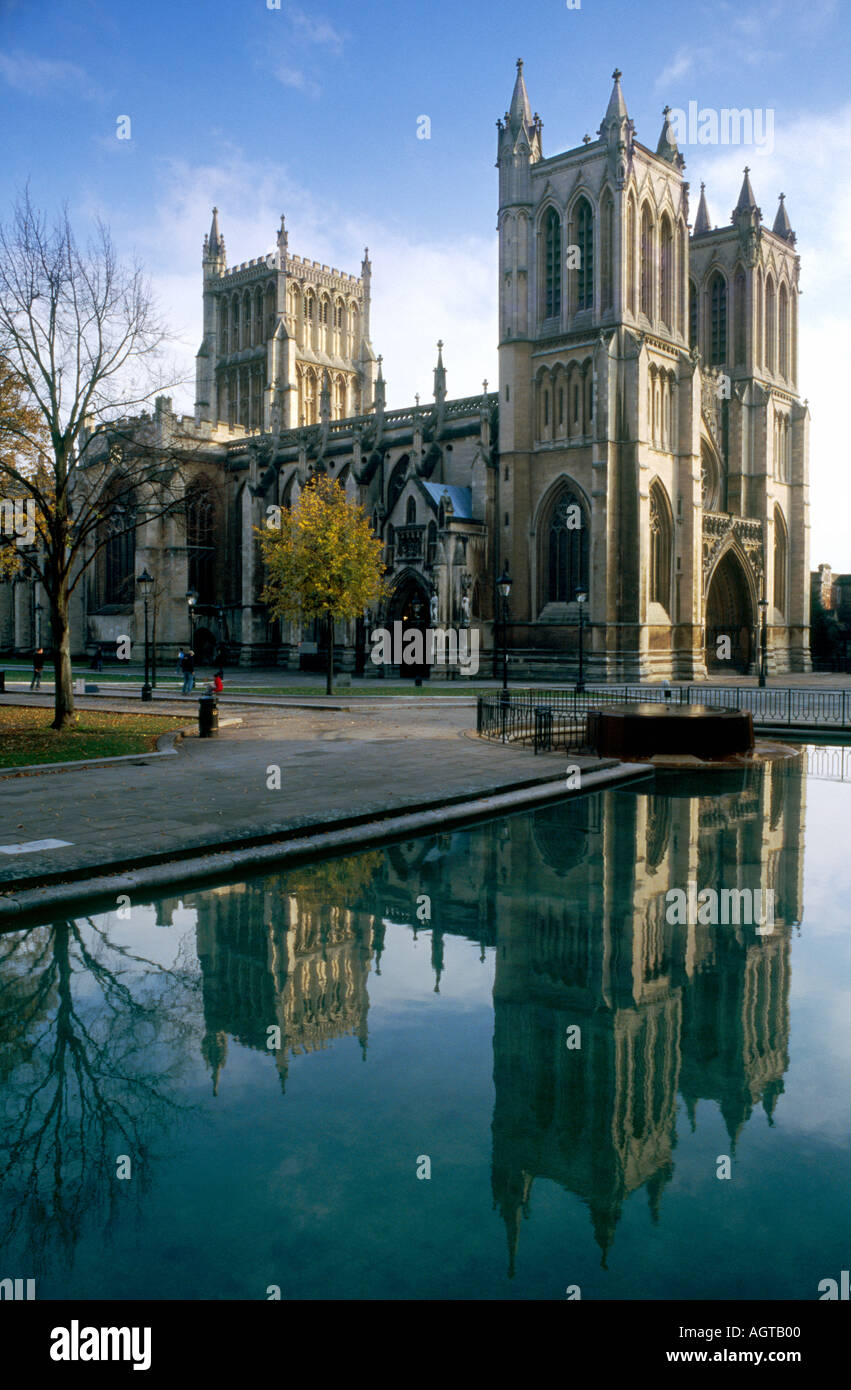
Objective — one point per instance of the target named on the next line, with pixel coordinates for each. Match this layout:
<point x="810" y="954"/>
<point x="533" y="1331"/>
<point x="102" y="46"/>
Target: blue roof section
<point x="461" y="498"/>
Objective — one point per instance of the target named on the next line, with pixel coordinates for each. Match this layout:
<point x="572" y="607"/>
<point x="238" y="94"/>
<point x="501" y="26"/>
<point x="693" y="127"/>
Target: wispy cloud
<point x="313" y="29"/>
<point x="684" y="61"/>
<point x="42" y="77"/>
<point x="294" y="77"/>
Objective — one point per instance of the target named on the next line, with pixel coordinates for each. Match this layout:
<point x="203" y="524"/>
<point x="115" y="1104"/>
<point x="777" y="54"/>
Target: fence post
<point x="788" y="706"/>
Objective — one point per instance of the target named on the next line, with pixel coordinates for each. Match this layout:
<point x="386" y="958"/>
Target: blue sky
<point x="312" y="110"/>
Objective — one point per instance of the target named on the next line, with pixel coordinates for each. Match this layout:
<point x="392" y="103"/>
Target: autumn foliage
<point x="324" y="560"/>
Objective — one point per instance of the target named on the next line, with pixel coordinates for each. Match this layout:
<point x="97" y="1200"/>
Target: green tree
<point x="323" y="561"/>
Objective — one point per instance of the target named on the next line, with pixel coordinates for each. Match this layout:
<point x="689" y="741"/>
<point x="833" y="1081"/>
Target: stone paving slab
<point x="335" y="768"/>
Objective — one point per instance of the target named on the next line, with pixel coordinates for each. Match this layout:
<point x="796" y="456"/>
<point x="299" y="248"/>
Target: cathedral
<point x="643" y="463"/>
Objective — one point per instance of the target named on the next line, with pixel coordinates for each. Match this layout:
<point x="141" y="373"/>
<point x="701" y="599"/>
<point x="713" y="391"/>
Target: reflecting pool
<point x="482" y="1064"/>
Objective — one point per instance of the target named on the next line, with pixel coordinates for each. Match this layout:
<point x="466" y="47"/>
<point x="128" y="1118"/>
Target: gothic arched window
<point x="783" y="332"/>
<point x="585" y="244"/>
<point x="661" y="545"/>
<point x="566" y="549"/>
<point x="780" y="561"/>
<point x="682" y="285"/>
<point x="692" y="314"/>
<point x="397" y="483"/>
<point x="200" y="541"/>
<point x="223" y="327"/>
<point x="770" y="326"/>
<point x="630" y="256"/>
<point x="552" y="264"/>
<point x="646" y="262"/>
<point x="666" y="271"/>
<point x="739" y="293"/>
<point x="410" y="512"/>
<point x="710" y="479"/>
<point x="120" y="551"/>
<point x="606" y="253"/>
<point x="717" y="320"/>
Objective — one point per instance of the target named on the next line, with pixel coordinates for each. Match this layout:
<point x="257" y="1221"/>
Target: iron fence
<point x="558" y="716"/>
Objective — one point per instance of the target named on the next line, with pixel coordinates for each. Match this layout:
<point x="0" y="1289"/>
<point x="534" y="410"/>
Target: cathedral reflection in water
<point x="572" y="900"/>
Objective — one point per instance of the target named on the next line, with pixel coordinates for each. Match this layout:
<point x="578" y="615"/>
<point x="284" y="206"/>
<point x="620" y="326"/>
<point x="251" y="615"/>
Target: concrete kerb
<point x="165" y="749"/>
<point x="221" y="864"/>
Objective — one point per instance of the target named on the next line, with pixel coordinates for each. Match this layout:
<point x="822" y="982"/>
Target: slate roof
<point x="460" y="497"/>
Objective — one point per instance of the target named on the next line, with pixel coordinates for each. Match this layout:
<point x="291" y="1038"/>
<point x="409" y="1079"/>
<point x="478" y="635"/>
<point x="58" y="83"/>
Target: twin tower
<point x="649" y="378"/>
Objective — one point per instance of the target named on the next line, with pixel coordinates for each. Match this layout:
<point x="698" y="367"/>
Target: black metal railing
<point x="557" y="717"/>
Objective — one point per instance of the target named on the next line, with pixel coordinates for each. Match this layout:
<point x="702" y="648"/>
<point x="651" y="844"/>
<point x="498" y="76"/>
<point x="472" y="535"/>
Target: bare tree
<point x="83" y="338"/>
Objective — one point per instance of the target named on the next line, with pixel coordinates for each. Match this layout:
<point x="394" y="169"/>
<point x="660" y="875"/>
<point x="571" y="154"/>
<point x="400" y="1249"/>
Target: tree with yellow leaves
<point x="322" y="561"/>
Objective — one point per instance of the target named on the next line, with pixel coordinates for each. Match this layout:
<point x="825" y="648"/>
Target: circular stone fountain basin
<point x="646" y="730"/>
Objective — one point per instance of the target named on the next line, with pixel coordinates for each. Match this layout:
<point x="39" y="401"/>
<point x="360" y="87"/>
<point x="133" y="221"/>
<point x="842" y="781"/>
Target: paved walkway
<point x="335" y="768"/>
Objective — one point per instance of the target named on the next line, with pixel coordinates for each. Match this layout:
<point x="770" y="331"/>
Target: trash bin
<point x="208" y="716"/>
<point x="2" y="682"/>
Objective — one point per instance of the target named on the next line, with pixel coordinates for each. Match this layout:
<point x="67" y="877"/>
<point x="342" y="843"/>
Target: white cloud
<point x="43" y="76"/>
<point x="315" y="30"/>
<point x="422" y="290"/>
<point x="292" y="77"/>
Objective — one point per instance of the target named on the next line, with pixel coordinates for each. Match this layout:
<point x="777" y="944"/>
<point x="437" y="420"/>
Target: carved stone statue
<point x="465" y="610"/>
<point x="432" y="607"/>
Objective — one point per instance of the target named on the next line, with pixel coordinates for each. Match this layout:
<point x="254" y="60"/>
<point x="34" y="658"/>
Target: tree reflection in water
<point x="92" y="1037"/>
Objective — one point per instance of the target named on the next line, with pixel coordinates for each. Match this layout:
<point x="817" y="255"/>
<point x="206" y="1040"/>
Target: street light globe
<point x="763" y="603"/>
<point x="191" y="598"/>
<point x="145" y="581"/>
<point x="503" y="584"/>
<point x="581" y="596"/>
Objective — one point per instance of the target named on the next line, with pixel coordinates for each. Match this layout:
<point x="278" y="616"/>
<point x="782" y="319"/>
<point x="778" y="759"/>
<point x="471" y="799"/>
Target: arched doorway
<point x="409" y="605"/>
<point x="729" y="613"/>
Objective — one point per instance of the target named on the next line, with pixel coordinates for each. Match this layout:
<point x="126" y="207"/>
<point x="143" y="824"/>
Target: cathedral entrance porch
<point x="730" y="615"/>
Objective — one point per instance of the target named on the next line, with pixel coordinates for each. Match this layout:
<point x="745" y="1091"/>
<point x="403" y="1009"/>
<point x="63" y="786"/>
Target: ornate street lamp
<point x="145" y="582"/>
<point x="581" y="596"/>
<point x="763" y="609"/>
<point x="191" y="600"/>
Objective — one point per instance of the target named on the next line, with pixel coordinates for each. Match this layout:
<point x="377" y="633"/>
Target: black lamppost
<point x="763" y="638"/>
<point x="38" y="612"/>
<point x="191" y="600"/>
<point x="145" y="582"/>
<point x="503" y="585"/>
<point x="581" y="596"/>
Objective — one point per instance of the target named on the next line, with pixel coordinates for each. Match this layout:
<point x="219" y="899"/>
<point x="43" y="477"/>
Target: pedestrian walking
<point x="188" y="668"/>
<point x="38" y="667"/>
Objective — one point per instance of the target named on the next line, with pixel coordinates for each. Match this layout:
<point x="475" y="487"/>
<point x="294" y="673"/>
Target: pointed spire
<point x="782" y="225"/>
<point x="520" y="111"/>
<point x="380" y="400"/>
<point x="283" y="239"/>
<point x="701" y="222"/>
<point x="747" y="201"/>
<point x="616" y="109"/>
<point x="440" y="375"/>
<point x="667" y="146"/>
<point x="366" y="264"/>
<point x="325" y="396"/>
<point x="215" y="241"/>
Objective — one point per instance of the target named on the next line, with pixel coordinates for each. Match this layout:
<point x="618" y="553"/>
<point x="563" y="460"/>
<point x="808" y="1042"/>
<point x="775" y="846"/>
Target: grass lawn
<point x="26" y="736"/>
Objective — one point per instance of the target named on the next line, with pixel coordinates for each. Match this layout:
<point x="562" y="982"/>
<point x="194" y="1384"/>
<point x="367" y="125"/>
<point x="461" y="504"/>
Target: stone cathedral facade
<point x="646" y="446"/>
